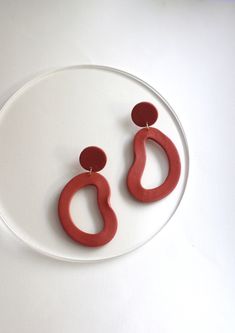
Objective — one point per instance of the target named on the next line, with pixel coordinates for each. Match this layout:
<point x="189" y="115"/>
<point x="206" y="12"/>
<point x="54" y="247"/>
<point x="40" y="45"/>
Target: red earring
<point x="92" y="159"/>
<point x="145" y="114"/>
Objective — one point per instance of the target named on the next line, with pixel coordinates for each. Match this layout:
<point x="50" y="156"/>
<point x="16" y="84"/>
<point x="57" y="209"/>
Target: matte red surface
<point x="136" y="170"/>
<point x="108" y="215"/>
<point x="144" y="114"/>
<point x="93" y="158"/>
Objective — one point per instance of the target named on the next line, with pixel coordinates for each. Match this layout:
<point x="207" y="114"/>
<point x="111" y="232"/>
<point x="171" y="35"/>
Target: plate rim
<point x="45" y="74"/>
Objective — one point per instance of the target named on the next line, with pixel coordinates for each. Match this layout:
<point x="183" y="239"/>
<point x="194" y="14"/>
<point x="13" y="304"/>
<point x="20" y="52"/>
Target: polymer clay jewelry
<point x="144" y="115"/>
<point x="92" y="159"/>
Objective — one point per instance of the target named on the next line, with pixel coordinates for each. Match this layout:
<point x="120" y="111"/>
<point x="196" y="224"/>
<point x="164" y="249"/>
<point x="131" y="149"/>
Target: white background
<point x="183" y="280"/>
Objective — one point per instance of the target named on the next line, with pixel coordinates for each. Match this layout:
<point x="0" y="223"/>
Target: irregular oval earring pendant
<point x="92" y="159"/>
<point x="145" y="114"/>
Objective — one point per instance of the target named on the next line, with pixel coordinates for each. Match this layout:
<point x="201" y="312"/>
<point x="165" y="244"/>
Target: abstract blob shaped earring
<point x="145" y="114"/>
<point x="92" y="159"/>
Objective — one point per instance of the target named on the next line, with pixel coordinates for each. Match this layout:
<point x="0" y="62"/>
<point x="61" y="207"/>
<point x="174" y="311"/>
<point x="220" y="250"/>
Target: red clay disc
<point x="93" y="158"/>
<point x="144" y="114"/>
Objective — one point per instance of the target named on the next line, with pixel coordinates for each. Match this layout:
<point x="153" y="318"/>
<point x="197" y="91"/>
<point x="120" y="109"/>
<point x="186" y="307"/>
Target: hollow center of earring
<point x="85" y="212"/>
<point x="156" y="167"/>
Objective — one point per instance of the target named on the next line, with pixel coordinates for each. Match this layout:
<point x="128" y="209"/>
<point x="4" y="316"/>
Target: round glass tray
<point x="43" y="128"/>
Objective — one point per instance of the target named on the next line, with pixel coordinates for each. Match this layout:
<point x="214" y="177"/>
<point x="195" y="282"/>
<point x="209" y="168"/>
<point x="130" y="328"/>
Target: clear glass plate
<point x="43" y="128"/>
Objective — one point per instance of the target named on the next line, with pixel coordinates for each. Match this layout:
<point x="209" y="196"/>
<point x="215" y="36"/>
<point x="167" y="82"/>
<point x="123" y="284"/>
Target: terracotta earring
<point x="144" y="115"/>
<point x="92" y="159"/>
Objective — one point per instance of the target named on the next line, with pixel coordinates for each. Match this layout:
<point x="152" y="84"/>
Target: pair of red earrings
<point x="94" y="159"/>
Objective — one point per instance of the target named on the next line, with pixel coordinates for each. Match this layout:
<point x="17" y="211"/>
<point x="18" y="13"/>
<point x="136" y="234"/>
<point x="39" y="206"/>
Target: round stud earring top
<point x="144" y="114"/>
<point x="93" y="158"/>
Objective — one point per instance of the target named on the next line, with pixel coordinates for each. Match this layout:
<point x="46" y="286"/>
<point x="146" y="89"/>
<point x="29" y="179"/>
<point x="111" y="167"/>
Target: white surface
<point x="183" y="280"/>
<point x="43" y="129"/>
